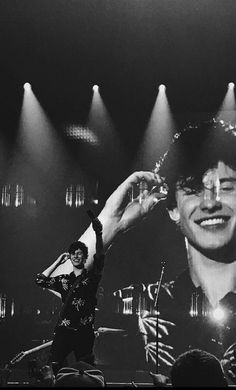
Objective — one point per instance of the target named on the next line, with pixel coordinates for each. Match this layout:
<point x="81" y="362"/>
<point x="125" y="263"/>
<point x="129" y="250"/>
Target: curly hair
<point x="194" y="150"/>
<point x="78" y="245"/>
<point x="197" y="368"/>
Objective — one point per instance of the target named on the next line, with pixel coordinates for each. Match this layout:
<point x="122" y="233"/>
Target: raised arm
<point x="98" y="259"/>
<point x="97" y="227"/>
<point x="120" y="214"/>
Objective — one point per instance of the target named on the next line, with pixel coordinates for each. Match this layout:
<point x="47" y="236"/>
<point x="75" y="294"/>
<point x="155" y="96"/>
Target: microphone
<point x="91" y="215"/>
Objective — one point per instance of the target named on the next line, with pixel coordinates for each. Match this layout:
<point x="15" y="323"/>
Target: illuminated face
<point x="208" y="217"/>
<point x="77" y="259"/>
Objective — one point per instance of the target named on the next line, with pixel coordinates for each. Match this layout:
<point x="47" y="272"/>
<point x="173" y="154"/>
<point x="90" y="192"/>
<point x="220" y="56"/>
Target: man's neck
<point x="214" y="277"/>
<point x="77" y="271"/>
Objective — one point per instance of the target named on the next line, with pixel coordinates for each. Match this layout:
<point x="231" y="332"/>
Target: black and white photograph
<point x="117" y="193"/>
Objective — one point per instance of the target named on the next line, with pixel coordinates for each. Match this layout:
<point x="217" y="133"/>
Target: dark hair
<point x="194" y="150"/>
<point x="197" y="368"/>
<point x="78" y="245"/>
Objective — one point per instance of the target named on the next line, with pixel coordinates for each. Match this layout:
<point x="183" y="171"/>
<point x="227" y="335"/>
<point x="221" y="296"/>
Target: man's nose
<point x="210" y="199"/>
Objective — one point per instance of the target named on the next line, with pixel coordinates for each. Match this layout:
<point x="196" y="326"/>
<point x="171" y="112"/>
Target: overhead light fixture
<point x="27" y="86"/>
<point x="95" y="88"/>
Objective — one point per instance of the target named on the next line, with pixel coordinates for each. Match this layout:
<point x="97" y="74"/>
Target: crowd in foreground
<point x="193" y="368"/>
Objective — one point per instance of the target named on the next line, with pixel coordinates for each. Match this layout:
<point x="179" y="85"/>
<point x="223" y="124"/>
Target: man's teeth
<point x="214" y="221"/>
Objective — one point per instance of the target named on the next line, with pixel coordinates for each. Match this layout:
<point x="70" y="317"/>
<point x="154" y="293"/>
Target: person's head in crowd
<point x="197" y="368"/>
<point x="78" y="252"/>
<point x="200" y="172"/>
<point x="47" y="377"/>
<point x="80" y="374"/>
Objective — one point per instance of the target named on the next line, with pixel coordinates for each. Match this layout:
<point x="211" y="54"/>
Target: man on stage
<point x="75" y="327"/>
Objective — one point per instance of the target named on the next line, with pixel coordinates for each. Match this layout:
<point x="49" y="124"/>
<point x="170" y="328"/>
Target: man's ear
<point x="174" y="215"/>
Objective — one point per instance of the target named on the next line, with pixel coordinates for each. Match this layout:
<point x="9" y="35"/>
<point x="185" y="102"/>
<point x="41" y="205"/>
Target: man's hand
<point x="97" y="226"/>
<point x="63" y="258"/>
<point x="122" y="212"/>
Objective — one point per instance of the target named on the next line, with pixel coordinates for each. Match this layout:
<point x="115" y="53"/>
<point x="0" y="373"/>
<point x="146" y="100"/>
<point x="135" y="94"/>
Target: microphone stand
<point x="156" y="306"/>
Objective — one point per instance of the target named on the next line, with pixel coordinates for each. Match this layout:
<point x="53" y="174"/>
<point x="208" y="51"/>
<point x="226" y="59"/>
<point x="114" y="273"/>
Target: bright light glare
<point x="218" y="314"/>
<point x="27" y="86"/>
<point x="162" y="87"/>
<point x="95" y="88"/>
<point x="231" y="85"/>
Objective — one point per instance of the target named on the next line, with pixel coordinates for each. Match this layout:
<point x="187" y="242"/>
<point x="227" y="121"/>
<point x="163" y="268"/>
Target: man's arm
<point x="97" y="227"/>
<point x="41" y="278"/>
<point x="120" y="214"/>
<point x="98" y="262"/>
<point x="60" y="260"/>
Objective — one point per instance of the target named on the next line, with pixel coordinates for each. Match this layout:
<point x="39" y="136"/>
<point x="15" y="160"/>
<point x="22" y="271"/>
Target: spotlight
<point x="231" y="85"/>
<point x="95" y="88"/>
<point x="218" y="314"/>
<point x="27" y="86"/>
<point x="162" y="87"/>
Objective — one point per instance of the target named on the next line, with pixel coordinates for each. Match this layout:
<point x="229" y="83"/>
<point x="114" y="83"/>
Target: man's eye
<point x="228" y="187"/>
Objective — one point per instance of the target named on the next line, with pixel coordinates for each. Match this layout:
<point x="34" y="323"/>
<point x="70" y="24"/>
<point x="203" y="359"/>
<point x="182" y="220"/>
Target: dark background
<point x="128" y="48"/>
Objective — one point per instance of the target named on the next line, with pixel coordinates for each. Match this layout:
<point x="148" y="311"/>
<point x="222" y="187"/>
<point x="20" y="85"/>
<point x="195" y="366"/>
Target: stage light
<point x="75" y="195"/>
<point x="218" y="314"/>
<point x="84" y="134"/>
<point x="162" y="88"/>
<point x="227" y="110"/>
<point x="27" y="86"/>
<point x="12" y="195"/>
<point x="95" y="88"/>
